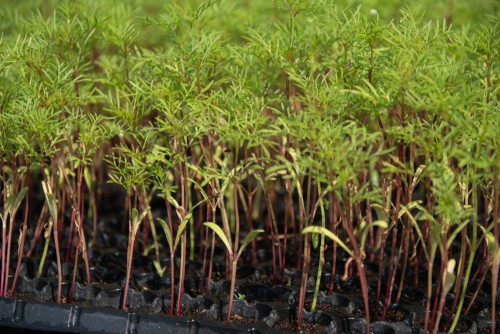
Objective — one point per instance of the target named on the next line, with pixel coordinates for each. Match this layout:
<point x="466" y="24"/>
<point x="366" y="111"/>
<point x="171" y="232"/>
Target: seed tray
<point x="35" y="315"/>
<point x="260" y="308"/>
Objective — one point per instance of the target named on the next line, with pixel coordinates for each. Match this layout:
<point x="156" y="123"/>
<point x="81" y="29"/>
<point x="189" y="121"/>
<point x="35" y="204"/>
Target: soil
<point x="189" y="312"/>
<point x="487" y="330"/>
<point x="410" y="297"/>
<point x="359" y="313"/>
<point x="307" y="327"/>
<point x="240" y="320"/>
<point x="349" y="287"/>
<point x="325" y="307"/>
<point x="487" y="312"/>
<point x="462" y="325"/>
<point x="395" y="315"/>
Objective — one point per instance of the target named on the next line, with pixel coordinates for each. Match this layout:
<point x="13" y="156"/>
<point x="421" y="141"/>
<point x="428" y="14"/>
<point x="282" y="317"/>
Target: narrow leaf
<point x="168" y="234"/>
<point x="329" y="234"/>
<point x="365" y="229"/>
<point x="136" y="219"/>
<point x="315" y="240"/>
<point x="416" y="177"/>
<point x="181" y="229"/>
<point x="87" y="177"/>
<point x="221" y="235"/>
<point x="172" y="201"/>
<point x="8" y="203"/>
<point x="455" y="233"/>
<point x="52" y="203"/>
<point x="417" y="228"/>
<point x="143" y="214"/>
<point x="379" y="210"/>
<point x="248" y="239"/>
<point x="449" y="276"/>
<point x="19" y="199"/>
<point x="159" y="269"/>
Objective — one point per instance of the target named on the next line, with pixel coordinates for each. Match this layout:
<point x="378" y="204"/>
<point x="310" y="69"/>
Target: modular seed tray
<point x="261" y="309"/>
<point x="18" y="313"/>
<point x="80" y="319"/>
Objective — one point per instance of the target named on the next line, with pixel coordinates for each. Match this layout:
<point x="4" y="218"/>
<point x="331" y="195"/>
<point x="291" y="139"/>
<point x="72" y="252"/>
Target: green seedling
<point x="173" y="243"/>
<point x="375" y="129"/>
<point x="9" y="213"/>
<point x="234" y="254"/>
<point x="240" y="296"/>
<point x="447" y="281"/>
<point x="52" y="227"/>
<point x="134" y="223"/>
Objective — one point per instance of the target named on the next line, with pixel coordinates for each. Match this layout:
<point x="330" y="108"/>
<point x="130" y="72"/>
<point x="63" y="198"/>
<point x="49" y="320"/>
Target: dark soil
<point x="410" y="297"/>
<point x="359" y="312"/>
<point x="325" y="307"/>
<point x="307" y="327"/>
<point x="395" y="315"/>
<point x="487" y="330"/>
<point x="238" y="319"/>
<point x="462" y="325"/>
<point x="487" y="312"/>
<point x="189" y="312"/>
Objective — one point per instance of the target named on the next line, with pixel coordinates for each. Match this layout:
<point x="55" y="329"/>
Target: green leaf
<point x="221" y="235"/>
<point x="455" y="233"/>
<point x="416" y="177"/>
<point x="181" y="229"/>
<point x="4" y="221"/>
<point x="417" y="228"/>
<point x="18" y="201"/>
<point x="136" y="219"/>
<point x="329" y="234"/>
<point x="226" y="182"/>
<point x="159" y="269"/>
<point x="315" y="240"/>
<point x="490" y="241"/>
<point x="172" y="201"/>
<point x="364" y="232"/>
<point x="379" y="210"/>
<point x="88" y="179"/>
<point x="51" y="201"/>
<point x="143" y="214"/>
<point x="248" y="238"/>
<point x="133" y="218"/>
<point x="278" y="169"/>
<point x="200" y="189"/>
<point x="168" y="234"/>
<point x="449" y="276"/>
<point x="8" y="204"/>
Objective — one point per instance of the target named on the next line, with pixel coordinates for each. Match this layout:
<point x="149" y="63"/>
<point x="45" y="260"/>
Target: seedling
<point x="173" y="243"/>
<point x="135" y="221"/>
<point x="52" y="227"/>
<point x="368" y="131"/>
<point x="226" y="239"/>
<point x="9" y="213"/>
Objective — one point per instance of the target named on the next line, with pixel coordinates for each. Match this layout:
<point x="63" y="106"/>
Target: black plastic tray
<point x="97" y="311"/>
<point x="34" y="315"/>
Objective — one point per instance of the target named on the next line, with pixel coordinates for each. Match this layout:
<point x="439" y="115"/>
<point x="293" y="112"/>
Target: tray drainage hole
<point x="132" y="321"/>
<point x="18" y="311"/>
<point x="74" y="317"/>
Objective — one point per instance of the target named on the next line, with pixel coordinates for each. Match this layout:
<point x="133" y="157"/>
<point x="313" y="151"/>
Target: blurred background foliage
<point x="233" y="16"/>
